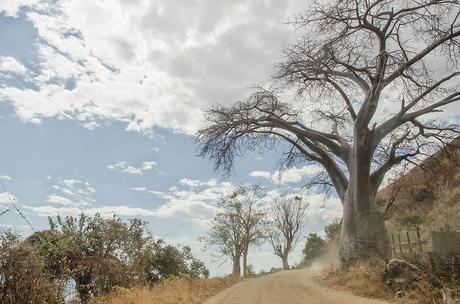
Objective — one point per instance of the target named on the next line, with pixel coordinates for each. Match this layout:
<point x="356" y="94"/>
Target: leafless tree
<point x="286" y="231"/>
<point x="253" y="217"/>
<point x="367" y="77"/>
<point x="238" y="225"/>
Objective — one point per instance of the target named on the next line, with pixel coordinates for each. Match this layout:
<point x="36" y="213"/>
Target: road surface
<point x="286" y="287"/>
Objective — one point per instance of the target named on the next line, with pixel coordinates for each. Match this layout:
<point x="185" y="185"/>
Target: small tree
<point x="252" y="218"/>
<point x="333" y="229"/>
<point x="168" y="261"/>
<point x="237" y="226"/>
<point x="290" y="218"/>
<point x="312" y="248"/>
<point x="227" y="234"/>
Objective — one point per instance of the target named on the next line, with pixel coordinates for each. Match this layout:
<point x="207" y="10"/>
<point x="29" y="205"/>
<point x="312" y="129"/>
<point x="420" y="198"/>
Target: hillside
<point x="430" y="190"/>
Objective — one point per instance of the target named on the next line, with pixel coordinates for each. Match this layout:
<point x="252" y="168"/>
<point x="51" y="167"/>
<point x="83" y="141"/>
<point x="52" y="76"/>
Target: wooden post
<point x="400" y="245"/>
<point x="418" y="240"/>
<point x="408" y="241"/>
<point x="394" y="245"/>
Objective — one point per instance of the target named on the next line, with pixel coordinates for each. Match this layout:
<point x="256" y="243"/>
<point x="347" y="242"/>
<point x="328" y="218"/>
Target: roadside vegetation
<point x="170" y="291"/>
<point x="85" y="257"/>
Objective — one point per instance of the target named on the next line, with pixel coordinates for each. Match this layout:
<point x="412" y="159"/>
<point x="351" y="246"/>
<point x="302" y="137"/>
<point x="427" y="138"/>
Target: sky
<point x="99" y="101"/>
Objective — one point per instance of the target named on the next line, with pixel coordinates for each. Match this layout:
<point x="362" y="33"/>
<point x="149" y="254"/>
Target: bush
<point x="168" y="261"/>
<point x="96" y="255"/>
<point x="333" y="229"/>
<point x="362" y="279"/>
<point x="22" y="278"/>
<point x="313" y="247"/>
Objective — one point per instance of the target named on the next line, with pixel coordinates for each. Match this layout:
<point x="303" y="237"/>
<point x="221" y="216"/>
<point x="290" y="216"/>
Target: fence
<point x="433" y="254"/>
<point x="408" y="242"/>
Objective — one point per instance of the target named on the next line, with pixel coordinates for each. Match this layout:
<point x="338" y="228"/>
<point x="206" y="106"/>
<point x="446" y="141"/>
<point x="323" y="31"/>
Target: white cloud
<point x="105" y="211"/>
<point x="189" y="182"/>
<point x="125" y="167"/>
<point x="72" y="192"/>
<point x="197" y="202"/>
<point x="147" y="63"/>
<point x="11" y="65"/>
<point x="59" y="200"/>
<point x="322" y="211"/>
<point x="12" y="7"/>
<point x="193" y="210"/>
<point x="91" y="125"/>
<point x="263" y="174"/>
<point x="7" y="198"/>
<point x="295" y="175"/>
<point x="148" y="165"/>
<point x="291" y="175"/>
<point x="5" y="177"/>
<point x="140" y="189"/>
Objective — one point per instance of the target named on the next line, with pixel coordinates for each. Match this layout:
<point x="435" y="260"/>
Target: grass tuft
<point x="171" y="291"/>
<point x="362" y="280"/>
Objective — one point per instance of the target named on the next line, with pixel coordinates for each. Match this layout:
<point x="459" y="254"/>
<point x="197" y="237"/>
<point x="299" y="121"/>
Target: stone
<point x="401" y="276"/>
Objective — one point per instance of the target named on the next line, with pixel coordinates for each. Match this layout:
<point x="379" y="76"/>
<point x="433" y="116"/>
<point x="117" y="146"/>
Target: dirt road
<point x="286" y="287"/>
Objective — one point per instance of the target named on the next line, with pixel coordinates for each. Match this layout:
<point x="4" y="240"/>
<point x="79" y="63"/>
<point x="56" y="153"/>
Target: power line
<point x="13" y="204"/>
<point x="3" y="212"/>
<point x="173" y="229"/>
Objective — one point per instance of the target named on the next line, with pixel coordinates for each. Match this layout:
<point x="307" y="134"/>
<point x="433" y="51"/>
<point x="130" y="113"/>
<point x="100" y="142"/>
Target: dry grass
<point x="173" y="291"/>
<point x="362" y="280"/>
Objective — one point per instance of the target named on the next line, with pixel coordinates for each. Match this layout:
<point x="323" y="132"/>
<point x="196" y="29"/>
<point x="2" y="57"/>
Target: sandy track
<point x="286" y="287"/>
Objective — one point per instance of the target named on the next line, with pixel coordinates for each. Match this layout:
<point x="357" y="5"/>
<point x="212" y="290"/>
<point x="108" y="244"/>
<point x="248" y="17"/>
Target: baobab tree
<point x="252" y="216"/>
<point x="238" y="225"/>
<point x="286" y="229"/>
<point x="369" y="78"/>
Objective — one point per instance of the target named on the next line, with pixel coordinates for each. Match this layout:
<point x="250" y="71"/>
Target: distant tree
<point x="237" y="225"/>
<point x="169" y="261"/>
<point x="287" y="226"/>
<point x="312" y="248"/>
<point x="251" y="271"/>
<point x="247" y="203"/>
<point x="227" y="234"/>
<point x="365" y="92"/>
<point x="333" y="229"/>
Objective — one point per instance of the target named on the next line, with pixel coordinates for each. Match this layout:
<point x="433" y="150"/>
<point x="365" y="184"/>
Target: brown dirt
<point x="286" y="287"/>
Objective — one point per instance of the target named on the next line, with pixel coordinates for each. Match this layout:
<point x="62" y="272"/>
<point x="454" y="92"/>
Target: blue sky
<point x="98" y="106"/>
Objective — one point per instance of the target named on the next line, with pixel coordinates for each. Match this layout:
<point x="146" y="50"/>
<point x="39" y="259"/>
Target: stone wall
<point x="446" y="242"/>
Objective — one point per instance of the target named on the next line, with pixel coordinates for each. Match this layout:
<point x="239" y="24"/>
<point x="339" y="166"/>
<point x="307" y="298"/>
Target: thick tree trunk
<point x="245" y="263"/>
<point x="236" y="266"/>
<point x="284" y="258"/>
<point x="363" y="235"/>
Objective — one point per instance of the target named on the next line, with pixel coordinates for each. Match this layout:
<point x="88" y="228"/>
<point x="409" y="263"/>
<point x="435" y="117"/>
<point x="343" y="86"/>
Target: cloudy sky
<point x="99" y="101"/>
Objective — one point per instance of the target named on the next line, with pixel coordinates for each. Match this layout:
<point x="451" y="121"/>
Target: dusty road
<point x="286" y="287"/>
